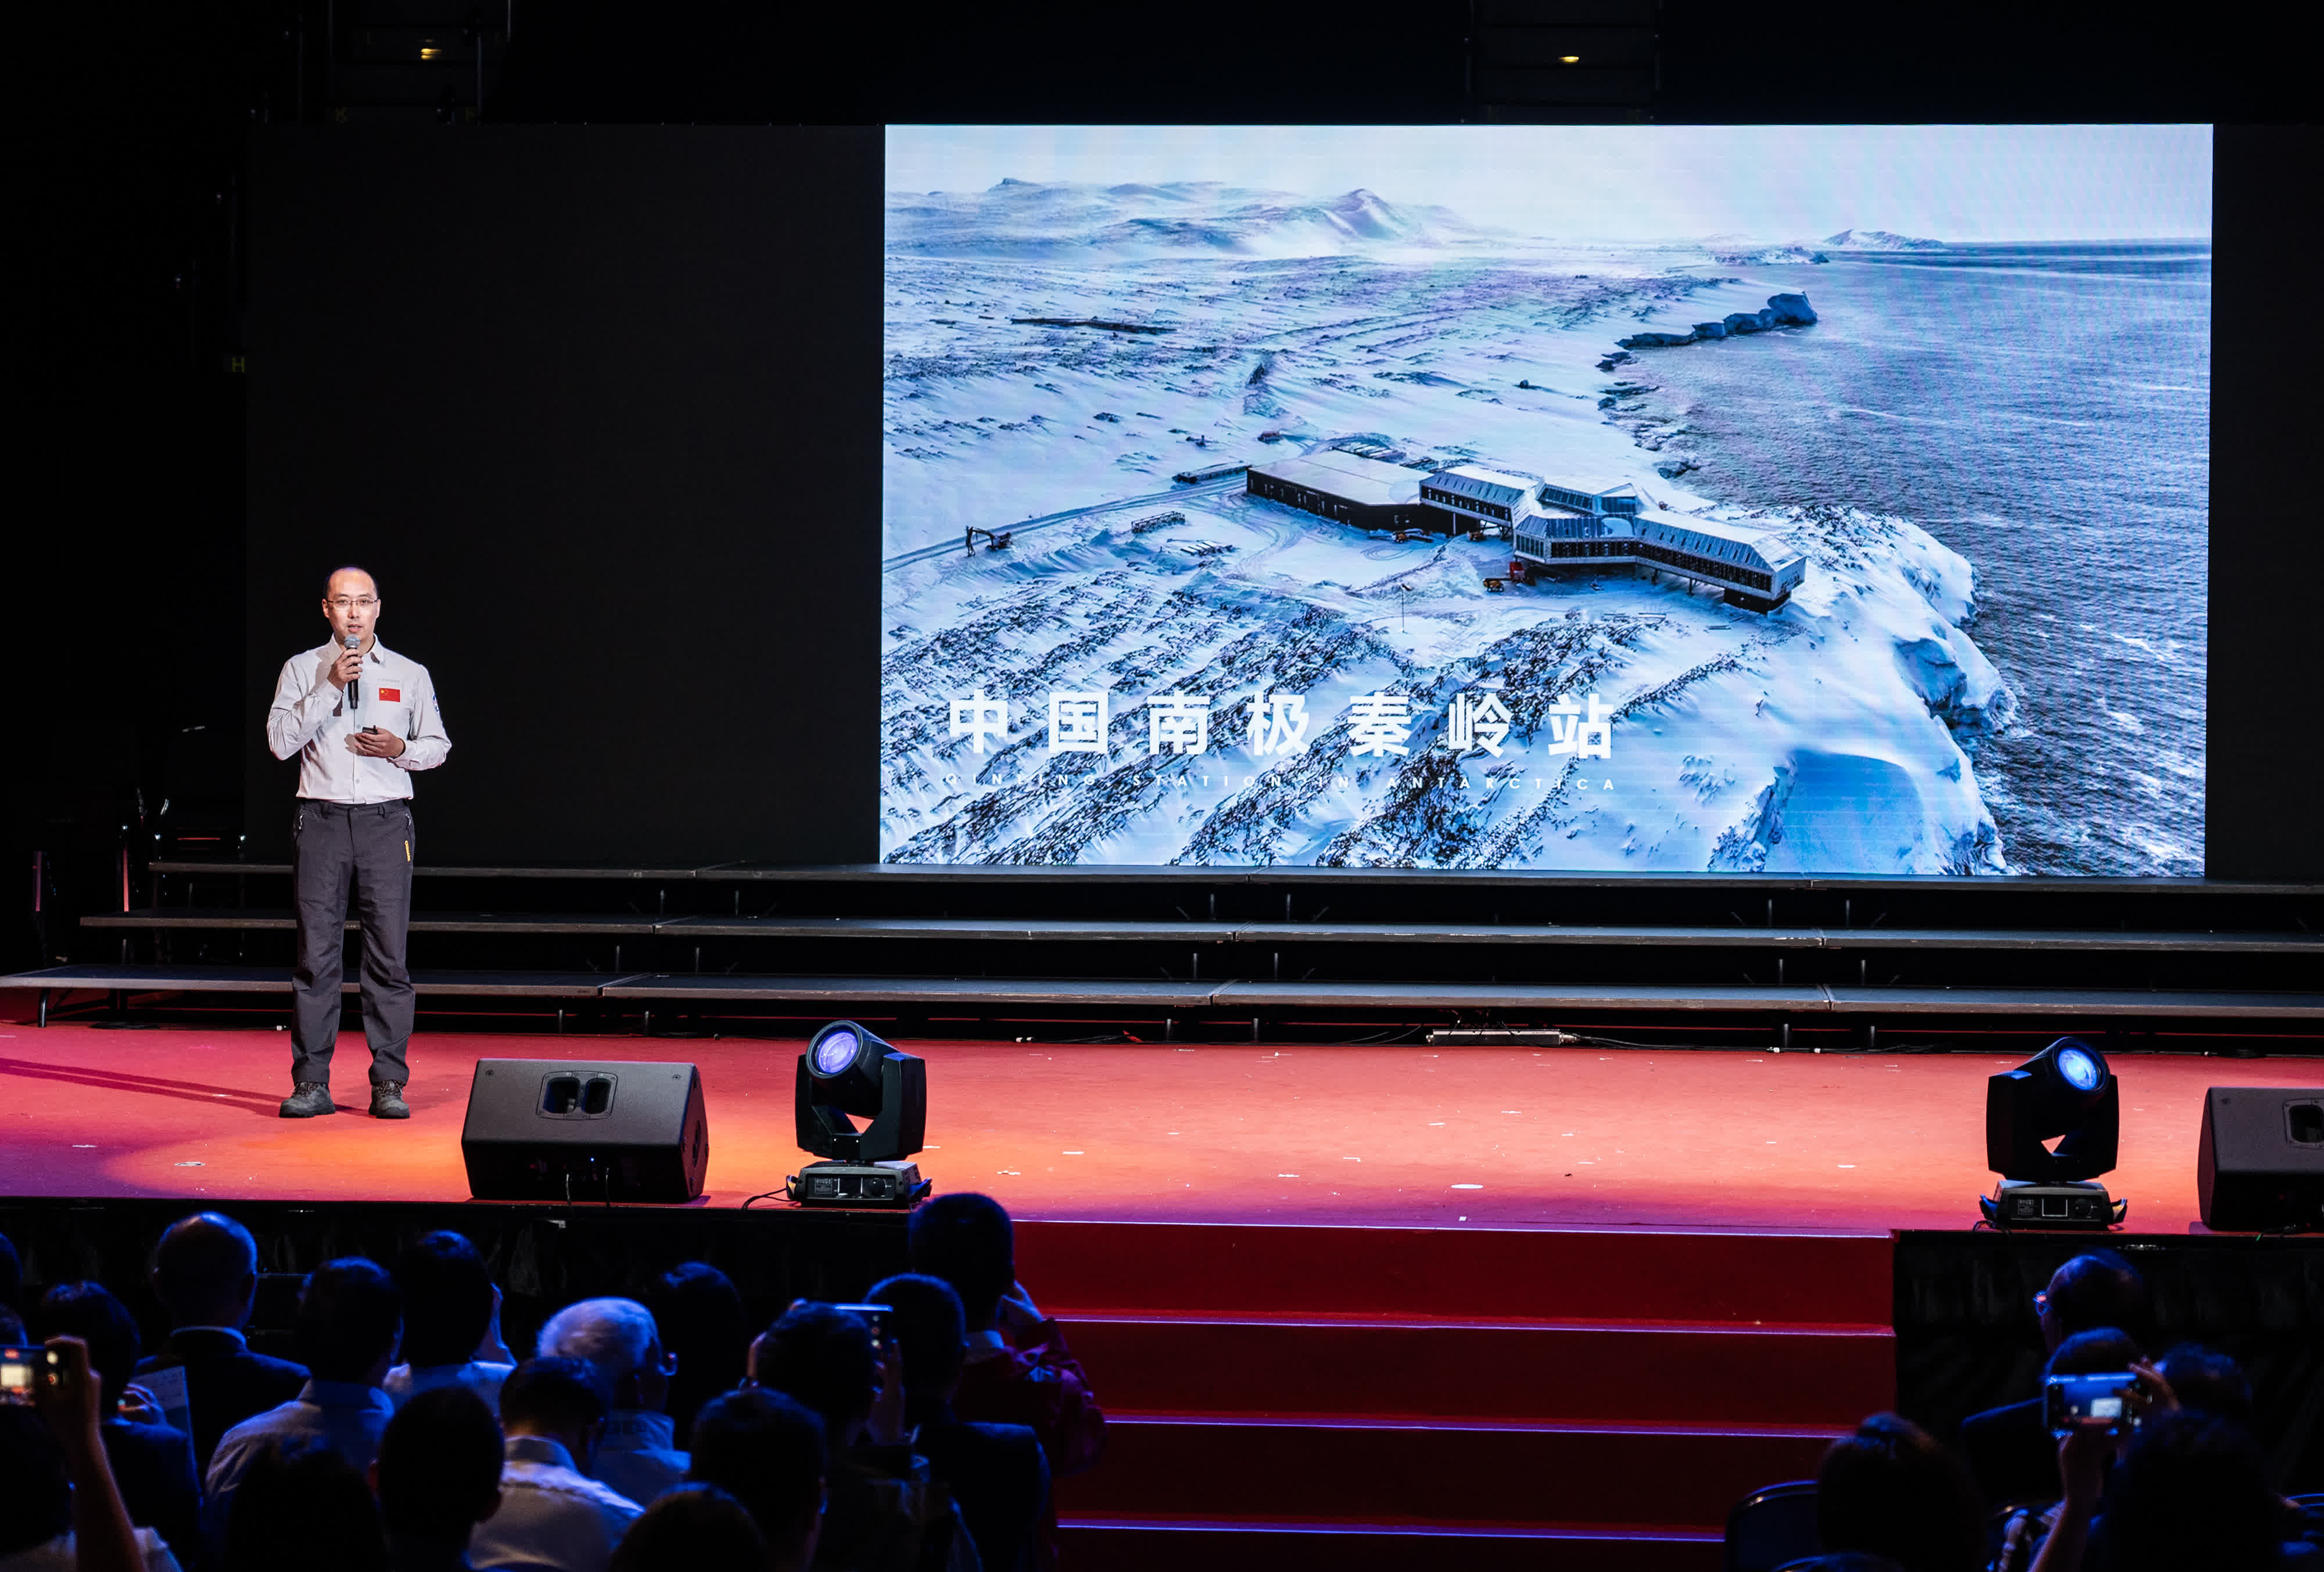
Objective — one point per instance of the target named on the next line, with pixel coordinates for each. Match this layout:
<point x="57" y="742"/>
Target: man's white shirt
<point x="551" y="1514"/>
<point x="313" y="720"/>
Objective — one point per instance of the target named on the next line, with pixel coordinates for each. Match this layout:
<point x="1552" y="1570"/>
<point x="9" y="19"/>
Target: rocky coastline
<point x="1786" y="310"/>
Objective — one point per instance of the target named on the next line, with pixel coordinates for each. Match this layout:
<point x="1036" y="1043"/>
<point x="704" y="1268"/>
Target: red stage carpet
<point x="1559" y="1138"/>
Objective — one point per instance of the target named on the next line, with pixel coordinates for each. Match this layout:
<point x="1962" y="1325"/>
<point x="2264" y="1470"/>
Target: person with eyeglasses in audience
<point x="618" y="1338"/>
<point x="2010" y="1453"/>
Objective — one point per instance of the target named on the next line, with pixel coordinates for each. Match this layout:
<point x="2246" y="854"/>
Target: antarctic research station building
<point x="1547" y="526"/>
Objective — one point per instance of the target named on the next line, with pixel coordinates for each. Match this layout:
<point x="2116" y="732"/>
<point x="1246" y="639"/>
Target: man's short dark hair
<point x="348" y="1315"/>
<point x="770" y="1451"/>
<point x="822" y="1356"/>
<point x="688" y="1529"/>
<point x="204" y="1266"/>
<point x="12" y="1275"/>
<point x="88" y="1311"/>
<point x="2193" y="1492"/>
<point x="927" y="1325"/>
<point x="448" y="1300"/>
<point x="349" y="567"/>
<point x="2097" y="1351"/>
<point x="440" y="1466"/>
<point x="553" y="1394"/>
<point x="1891" y="1491"/>
<point x="301" y="1505"/>
<point x="2098" y="1289"/>
<point x="700" y="1314"/>
<point x="966" y="1240"/>
<point x="2203" y="1378"/>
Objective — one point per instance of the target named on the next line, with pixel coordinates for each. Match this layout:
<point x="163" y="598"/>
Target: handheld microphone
<point x="354" y="695"/>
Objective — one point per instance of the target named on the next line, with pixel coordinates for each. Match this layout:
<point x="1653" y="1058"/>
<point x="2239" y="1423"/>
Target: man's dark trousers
<point x="365" y="849"/>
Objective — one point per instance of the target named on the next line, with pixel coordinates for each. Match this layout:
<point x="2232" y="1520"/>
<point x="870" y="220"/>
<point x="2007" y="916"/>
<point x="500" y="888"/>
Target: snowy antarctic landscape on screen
<point x="1638" y="499"/>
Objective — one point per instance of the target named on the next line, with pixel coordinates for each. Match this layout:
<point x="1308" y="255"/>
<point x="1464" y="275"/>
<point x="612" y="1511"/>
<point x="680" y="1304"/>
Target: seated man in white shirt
<point x="451" y="1321"/>
<point x="639" y="1456"/>
<point x="552" y="1514"/>
<point x="349" y="1319"/>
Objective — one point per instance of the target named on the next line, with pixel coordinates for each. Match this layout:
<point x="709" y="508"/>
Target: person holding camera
<point x="70" y="1516"/>
<point x="359" y="718"/>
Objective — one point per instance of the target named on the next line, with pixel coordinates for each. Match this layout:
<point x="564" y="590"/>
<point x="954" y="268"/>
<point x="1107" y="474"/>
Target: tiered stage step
<point x="1219" y="952"/>
<point x="1413" y="1397"/>
<point x="1230" y="996"/>
<point x="1064" y="930"/>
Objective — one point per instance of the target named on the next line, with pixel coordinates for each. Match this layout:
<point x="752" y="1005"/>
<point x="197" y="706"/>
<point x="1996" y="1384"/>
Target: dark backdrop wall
<point x="600" y="409"/>
<point x="2264" y="754"/>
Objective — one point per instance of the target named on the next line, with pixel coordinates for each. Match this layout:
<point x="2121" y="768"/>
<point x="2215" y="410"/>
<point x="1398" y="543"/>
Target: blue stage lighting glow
<point x="2080" y="1069"/>
<point x="835" y="1053"/>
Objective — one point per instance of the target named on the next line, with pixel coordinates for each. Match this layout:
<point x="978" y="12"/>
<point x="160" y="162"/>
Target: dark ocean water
<point x="2045" y="411"/>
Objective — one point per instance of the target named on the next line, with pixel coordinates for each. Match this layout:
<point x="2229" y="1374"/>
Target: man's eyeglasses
<point x="344" y="603"/>
<point x="2041" y="1304"/>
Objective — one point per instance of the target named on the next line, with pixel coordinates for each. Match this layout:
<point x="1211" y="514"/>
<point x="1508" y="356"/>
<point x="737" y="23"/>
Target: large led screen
<point x="1742" y="499"/>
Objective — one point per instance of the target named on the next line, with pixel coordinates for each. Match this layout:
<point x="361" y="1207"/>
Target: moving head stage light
<point x="845" y="1070"/>
<point x="2064" y="1094"/>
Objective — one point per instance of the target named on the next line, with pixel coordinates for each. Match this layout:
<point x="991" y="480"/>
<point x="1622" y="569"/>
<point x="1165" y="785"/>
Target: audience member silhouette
<point x="996" y="1473"/>
<point x="152" y="1463"/>
<point x="62" y="1512"/>
<point x="206" y="1275"/>
<point x="886" y="1512"/>
<point x="2191" y="1491"/>
<point x="768" y="1451"/>
<point x="1890" y="1495"/>
<point x="552" y="1514"/>
<point x="299" y="1506"/>
<point x="1019" y="1370"/>
<point x="437" y="1476"/>
<point x="638" y="1454"/>
<point x="692" y="1528"/>
<point x="2010" y="1453"/>
<point x="450" y="1321"/>
<point x="700" y="1313"/>
<point x="2098" y="1352"/>
<point x="349" y="1316"/>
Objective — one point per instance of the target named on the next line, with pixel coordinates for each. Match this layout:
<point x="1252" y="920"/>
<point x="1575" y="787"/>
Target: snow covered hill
<point x="1055" y="221"/>
<point x="1881" y="240"/>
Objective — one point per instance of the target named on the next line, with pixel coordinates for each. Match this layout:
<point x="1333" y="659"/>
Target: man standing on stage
<point x="360" y="718"/>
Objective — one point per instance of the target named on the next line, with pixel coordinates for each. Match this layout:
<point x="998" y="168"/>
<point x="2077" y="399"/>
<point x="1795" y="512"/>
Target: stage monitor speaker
<point x="2259" y="1167"/>
<point x="585" y="1131"/>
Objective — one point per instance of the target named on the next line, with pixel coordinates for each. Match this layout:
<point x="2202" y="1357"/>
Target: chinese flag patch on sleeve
<point x="392" y="695"/>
